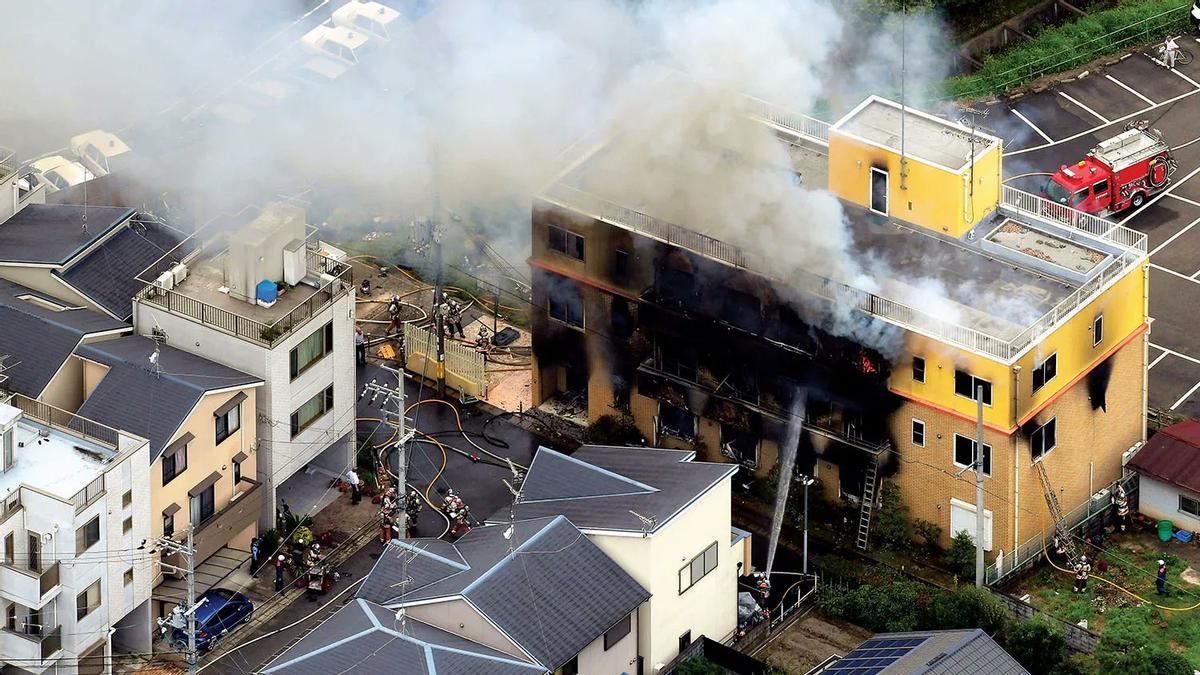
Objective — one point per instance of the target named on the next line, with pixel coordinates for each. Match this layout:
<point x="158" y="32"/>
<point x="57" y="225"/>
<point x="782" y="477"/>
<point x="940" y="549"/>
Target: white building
<point x="74" y="523"/>
<point x="666" y="520"/>
<point x="1168" y="468"/>
<point x="204" y="296"/>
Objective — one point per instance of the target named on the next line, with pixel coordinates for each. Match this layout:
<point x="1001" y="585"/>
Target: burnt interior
<point x="1097" y="384"/>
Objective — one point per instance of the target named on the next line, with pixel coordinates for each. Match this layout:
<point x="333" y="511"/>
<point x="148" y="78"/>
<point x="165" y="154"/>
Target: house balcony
<point x="214" y="559"/>
<point x="28" y="587"/>
<point x="36" y="649"/>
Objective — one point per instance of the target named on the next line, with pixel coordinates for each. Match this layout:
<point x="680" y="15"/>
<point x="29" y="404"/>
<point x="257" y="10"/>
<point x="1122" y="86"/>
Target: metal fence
<point x="466" y="369"/>
<point x="69" y="422"/>
<point x="1076" y="519"/>
<point x="807" y="127"/>
<point x="1039" y="207"/>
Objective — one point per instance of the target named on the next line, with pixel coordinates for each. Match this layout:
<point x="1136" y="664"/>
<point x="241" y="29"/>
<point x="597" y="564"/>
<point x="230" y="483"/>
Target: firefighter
<point x="1082" y="569"/>
<point x="1121" y="502"/>
<point x="452" y="316"/>
<point x="1059" y="549"/>
<point x="457" y="511"/>
<point x="1160" y="581"/>
<point x="483" y="341"/>
<point x="412" y="508"/>
<point x="280" y="562"/>
<point x="394" y="308"/>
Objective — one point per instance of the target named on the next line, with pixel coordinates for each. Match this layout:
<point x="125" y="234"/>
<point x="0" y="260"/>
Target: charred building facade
<point x="712" y="347"/>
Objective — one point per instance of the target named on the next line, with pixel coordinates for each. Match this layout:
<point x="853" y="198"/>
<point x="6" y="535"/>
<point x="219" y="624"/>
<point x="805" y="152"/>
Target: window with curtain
<point x="87" y="601"/>
<point x="203" y="506"/>
<point x="312" y="349"/>
<point x="229" y="422"/>
<point x="311" y="410"/>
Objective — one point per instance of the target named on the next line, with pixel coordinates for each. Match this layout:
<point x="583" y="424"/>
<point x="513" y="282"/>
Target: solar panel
<point x="875" y="655"/>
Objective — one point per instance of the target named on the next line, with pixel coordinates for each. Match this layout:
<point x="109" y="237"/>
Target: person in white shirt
<point x="352" y="479"/>
<point x="1170" y="49"/>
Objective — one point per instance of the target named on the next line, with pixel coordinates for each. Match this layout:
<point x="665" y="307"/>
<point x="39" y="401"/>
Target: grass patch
<point x="1073" y="44"/>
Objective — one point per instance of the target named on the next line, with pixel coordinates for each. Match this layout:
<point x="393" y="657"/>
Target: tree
<point x="891" y="525"/>
<point x="1126" y="648"/>
<point x="960" y="559"/>
<point x="1037" y="645"/>
<point x="698" y="665"/>
<point x="968" y="607"/>
<point x="613" y="430"/>
<point x="929" y="533"/>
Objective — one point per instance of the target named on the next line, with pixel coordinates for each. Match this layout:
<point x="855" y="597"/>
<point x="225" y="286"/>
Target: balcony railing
<point x="66" y="421"/>
<point x="31" y="644"/>
<point x="1132" y="247"/>
<point x="804" y="126"/>
<point x="28" y="587"/>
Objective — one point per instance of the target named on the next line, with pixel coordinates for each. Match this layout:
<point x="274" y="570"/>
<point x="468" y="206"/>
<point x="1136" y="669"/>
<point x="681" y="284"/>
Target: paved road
<point x="480" y="484"/>
<point x="1058" y="126"/>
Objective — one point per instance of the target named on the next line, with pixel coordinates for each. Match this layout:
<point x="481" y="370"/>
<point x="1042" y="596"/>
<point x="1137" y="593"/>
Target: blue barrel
<point x="266" y="291"/>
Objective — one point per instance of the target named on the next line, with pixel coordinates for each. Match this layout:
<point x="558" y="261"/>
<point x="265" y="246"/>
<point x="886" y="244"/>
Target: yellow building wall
<point x="1124" y="310"/>
<point x="935" y="198"/>
<point x="941" y="360"/>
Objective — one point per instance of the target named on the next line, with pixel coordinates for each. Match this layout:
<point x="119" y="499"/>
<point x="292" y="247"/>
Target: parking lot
<point x="1045" y="130"/>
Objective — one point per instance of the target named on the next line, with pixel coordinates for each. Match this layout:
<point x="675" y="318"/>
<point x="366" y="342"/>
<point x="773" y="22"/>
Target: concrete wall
<point x="1160" y="501"/>
<point x="460" y="618"/>
<point x="620" y="658"/>
<point x="65" y="389"/>
<point x="40" y="279"/>
<point x="707" y="608"/>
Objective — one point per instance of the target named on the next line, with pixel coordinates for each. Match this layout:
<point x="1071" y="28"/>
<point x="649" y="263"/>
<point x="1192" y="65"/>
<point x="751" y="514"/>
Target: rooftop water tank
<point x="266" y="292"/>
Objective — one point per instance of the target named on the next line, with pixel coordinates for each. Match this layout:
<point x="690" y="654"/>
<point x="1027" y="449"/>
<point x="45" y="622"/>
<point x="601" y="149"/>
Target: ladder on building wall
<point x="868" y="499"/>
<point x="1060" y="525"/>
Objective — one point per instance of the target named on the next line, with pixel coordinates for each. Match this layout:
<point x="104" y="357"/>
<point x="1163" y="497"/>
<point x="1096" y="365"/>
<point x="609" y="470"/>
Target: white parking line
<point x="1095" y="114"/>
<point x="1185" y="200"/>
<point x="1174" y="273"/>
<point x="1164" y="193"/>
<point x="1093" y="130"/>
<point x="1172" y="352"/>
<point x="1186" y="396"/>
<point x="1174" y="237"/>
<point x="1032" y="125"/>
<point x="1128" y="88"/>
<point x="1158" y="358"/>
<point x="1189" y="80"/>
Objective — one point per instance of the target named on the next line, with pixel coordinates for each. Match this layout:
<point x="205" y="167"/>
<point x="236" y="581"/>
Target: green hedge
<point x="1073" y="44"/>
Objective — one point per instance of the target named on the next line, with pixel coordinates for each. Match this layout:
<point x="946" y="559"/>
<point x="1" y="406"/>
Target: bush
<point x="1125" y="648"/>
<point x="929" y="534"/>
<point x="1037" y="645"/>
<point x="613" y="430"/>
<point x="960" y="559"/>
<point x="883" y="602"/>
<point x="698" y="666"/>
<point x="891" y="525"/>
<point x="968" y="607"/>
<point x="1072" y="44"/>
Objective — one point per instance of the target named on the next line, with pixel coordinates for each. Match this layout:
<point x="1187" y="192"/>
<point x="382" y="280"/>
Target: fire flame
<point x="865" y="364"/>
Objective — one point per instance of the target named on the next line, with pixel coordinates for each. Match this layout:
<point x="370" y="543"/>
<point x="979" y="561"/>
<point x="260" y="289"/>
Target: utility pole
<point x="807" y="481"/>
<point x="903" y="103"/>
<point x="439" y="297"/>
<point x="189" y="554"/>
<point x="403" y="436"/>
<point x="978" y="464"/>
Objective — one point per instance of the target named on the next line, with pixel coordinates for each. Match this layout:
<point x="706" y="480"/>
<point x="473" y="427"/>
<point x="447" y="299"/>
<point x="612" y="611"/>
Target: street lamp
<point x="806" y="481"/>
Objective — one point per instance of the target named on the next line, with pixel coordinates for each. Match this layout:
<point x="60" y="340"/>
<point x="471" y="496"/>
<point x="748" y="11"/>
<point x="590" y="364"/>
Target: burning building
<point x="960" y="288"/>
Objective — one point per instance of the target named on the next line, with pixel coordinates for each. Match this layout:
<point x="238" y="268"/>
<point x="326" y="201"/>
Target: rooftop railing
<point x="65" y="421"/>
<point x="1132" y="247"/>
<point x="807" y="127"/>
<point x="251" y="330"/>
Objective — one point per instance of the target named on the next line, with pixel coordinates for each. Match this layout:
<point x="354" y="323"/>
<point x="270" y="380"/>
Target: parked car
<point x="1196" y="15"/>
<point x="102" y="152"/>
<point x="380" y="21"/>
<point x="60" y="173"/>
<point x="335" y="50"/>
<point x="220" y="612"/>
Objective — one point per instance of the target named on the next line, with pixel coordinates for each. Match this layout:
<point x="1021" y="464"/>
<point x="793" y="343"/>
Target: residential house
<point x="84" y="256"/>
<point x="74" y="528"/>
<point x="254" y="295"/>
<point x="537" y="590"/>
<point x="954" y="290"/>
<point x="938" y="652"/>
<point x="39" y="335"/>
<point x="203" y="449"/>
<point x="1168" y="469"/>
<point x="665" y="519"/>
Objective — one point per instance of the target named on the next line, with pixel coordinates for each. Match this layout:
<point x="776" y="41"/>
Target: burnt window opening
<point x="1097" y="384"/>
<point x="1045" y="371"/>
<point x="867" y="364"/>
<point x="621" y="266"/>
<point x="918" y="369"/>
<point x="680" y="360"/>
<point x="564" y="301"/>
<point x="964" y="453"/>
<point x="965" y="385"/>
<point x="566" y="243"/>
<point x="620" y="393"/>
<point x="622" y="319"/>
<point x="740" y="445"/>
<point x="742" y="310"/>
<point x="918" y="433"/>
<point x="677" y="287"/>
<point x="1098" y="330"/>
<point x="1043" y="439"/>
<point x="677" y="422"/>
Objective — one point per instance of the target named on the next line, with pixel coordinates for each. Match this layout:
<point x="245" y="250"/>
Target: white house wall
<point x="1160" y="501"/>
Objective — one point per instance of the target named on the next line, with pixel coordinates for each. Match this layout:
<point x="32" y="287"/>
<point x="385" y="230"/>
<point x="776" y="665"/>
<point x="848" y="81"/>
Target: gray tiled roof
<point x="598" y="486"/>
<point x="948" y="652"/>
<point x="365" y="637"/>
<point x="53" y="233"/>
<point x="40" y="340"/>
<point x="131" y="396"/>
<point x="553" y="594"/>
<point x="108" y="275"/>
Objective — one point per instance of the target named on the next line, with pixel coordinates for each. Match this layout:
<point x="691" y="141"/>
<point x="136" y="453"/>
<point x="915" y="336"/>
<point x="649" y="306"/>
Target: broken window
<point x="1045" y="372"/>
<point x="621" y="266"/>
<point x="566" y="243"/>
<point x="677" y="287"/>
<point x="679" y="360"/>
<point x="565" y="302"/>
<point x="964" y="453"/>
<point x="966" y="384"/>
<point x="740" y="445"/>
<point x="742" y="310"/>
<point x="1043" y="439"/>
<point x="677" y="422"/>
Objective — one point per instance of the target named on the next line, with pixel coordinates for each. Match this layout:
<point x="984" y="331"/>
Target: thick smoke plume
<point x="475" y="108"/>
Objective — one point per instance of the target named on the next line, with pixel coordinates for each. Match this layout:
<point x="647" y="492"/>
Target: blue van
<point x="222" y="610"/>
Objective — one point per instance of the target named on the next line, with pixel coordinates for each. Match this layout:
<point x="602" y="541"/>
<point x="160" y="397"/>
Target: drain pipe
<point x="1016" y="519"/>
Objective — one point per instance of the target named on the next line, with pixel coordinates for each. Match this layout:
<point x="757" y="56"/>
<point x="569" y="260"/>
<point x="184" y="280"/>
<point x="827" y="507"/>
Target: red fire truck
<point x="1119" y="173"/>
